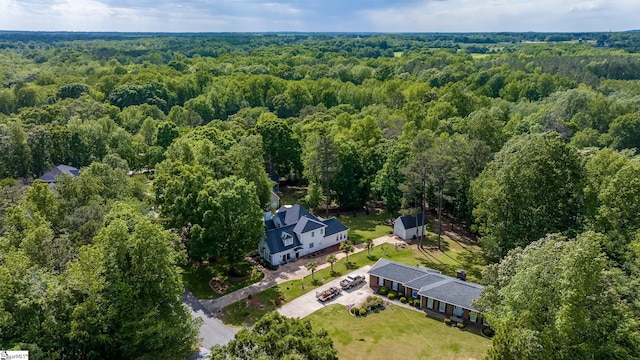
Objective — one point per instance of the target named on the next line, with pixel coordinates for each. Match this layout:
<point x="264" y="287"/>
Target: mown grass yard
<point x="455" y="256"/>
<point x="396" y="332"/>
<point x="362" y="227"/>
<point x="249" y="310"/>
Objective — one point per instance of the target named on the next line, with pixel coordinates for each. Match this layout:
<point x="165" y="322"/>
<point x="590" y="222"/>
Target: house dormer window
<point x="312" y="233"/>
<point x="287" y="239"/>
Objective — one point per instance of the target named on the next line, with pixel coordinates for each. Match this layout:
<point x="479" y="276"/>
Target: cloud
<point x="329" y="15"/>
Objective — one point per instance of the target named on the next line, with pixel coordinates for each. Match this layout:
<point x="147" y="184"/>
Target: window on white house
<point x="414" y="294"/>
<point x="312" y="233"/>
<point x="442" y="306"/>
<point x="310" y="245"/>
<point x="321" y="231"/>
<point x="473" y="317"/>
<point x="457" y="311"/>
<point x="394" y="286"/>
<point x="430" y="303"/>
<point x="380" y="281"/>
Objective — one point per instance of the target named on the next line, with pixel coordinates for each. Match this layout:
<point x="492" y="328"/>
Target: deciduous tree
<point x="277" y="337"/>
<point x="557" y="299"/>
<point x="531" y="188"/>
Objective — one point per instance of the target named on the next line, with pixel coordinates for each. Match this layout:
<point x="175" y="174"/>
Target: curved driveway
<point x="212" y="331"/>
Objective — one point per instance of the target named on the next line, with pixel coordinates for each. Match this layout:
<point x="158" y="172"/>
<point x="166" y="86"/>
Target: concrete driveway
<point x="307" y="303"/>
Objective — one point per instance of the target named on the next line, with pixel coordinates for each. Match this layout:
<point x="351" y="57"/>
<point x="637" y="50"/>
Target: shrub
<point x="488" y="332"/>
<point x="365" y="305"/>
<point x="363" y="311"/>
<point x="374" y="302"/>
<point x="249" y="296"/>
<point x="416" y="302"/>
<point x="460" y="325"/>
<point x="447" y="321"/>
<point x="383" y="290"/>
<point x="392" y="295"/>
<point x="354" y="310"/>
<point x="403" y="300"/>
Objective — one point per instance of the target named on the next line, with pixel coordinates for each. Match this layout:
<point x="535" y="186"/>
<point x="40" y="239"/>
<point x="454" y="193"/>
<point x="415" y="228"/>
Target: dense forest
<point x="530" y="140"/>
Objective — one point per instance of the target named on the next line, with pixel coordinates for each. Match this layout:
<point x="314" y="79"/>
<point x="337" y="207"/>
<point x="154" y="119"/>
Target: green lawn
<point x="248" y="311"/>
<point x="362" y="227"/>
<point x="197" y="277"/>
<point x="456" y="256"/>
<point x="396" y="332"/>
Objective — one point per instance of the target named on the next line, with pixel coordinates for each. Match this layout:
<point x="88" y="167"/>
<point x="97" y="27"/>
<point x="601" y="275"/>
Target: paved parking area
<point x="307" y="303"/>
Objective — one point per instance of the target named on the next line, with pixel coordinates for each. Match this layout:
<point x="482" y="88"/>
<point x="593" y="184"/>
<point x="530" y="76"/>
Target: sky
<point x="320" y="16"/>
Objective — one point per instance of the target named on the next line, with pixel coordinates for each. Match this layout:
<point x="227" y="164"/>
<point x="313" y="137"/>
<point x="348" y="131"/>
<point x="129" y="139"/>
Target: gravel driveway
<point x="307" y="303"/>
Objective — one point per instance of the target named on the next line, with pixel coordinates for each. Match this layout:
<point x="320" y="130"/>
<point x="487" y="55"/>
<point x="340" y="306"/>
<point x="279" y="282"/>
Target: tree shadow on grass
<point x="248" y="311"/>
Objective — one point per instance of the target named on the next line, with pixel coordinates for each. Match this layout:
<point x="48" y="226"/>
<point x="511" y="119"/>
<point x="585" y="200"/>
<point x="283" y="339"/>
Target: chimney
<point x="462" y="275"/>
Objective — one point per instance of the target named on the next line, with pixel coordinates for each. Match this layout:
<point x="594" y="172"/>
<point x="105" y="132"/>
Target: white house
<point x="409" y="227"/>
<point x="294" y="232"/>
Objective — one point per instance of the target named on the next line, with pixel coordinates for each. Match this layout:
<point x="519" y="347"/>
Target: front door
<point x="297" y="255"/>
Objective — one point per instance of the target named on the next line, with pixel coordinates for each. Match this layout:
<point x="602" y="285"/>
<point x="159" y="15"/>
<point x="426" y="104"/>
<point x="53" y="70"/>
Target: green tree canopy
<point x="557" y="299"/>
<point x="131" y="302"/>
<point x="277" y="337"/>
<point x="228" y="220"/>
<point x="530" y="189"/>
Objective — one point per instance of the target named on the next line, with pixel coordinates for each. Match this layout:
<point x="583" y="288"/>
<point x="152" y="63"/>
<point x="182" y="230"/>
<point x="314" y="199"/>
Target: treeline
<point x="534" y="139"/>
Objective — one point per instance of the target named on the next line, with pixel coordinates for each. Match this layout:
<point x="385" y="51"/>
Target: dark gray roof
<point x="296" y="219"/>
<point x="274" y="239"/>
<point x="269" y="224"/>
<point x="50" y="176"/>
<point x="306" y="224"/>
<point x="454" y="291"/>
<point x="431" y="283"/>
<point x="333" y="227"/>
<point x="397" y="272"/>
<point x="426" y="280"/>
<point x="290" y="214"/>
<point x="409" y="221"/>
